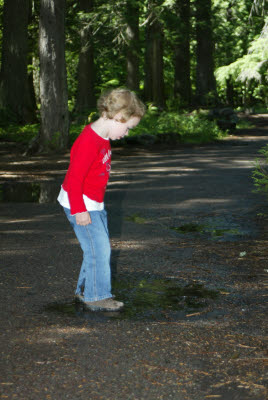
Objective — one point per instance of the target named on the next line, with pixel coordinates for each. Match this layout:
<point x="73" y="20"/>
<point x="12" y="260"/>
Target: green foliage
<point x="232" y="31"/>
<point x="249" y="73"/>
<point x="75" y="130"/>
<point x="260" y="173"/>
<point x="243" y="124"/>
<point x="18" y="133"/>
<point x="185" y="128"/>
<point x="238" y="43"/>
<point x="249" y="67"/>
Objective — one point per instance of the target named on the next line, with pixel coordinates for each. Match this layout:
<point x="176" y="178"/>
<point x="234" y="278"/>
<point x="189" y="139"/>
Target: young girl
<point x="83" y="189"/>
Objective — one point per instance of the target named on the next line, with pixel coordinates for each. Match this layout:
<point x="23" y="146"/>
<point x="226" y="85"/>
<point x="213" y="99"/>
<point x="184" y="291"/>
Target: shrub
<point x="260" y="173"/>
<point x="20" y="134"/>
<point x="164" y="127"/>
<point x="185" y="128"/>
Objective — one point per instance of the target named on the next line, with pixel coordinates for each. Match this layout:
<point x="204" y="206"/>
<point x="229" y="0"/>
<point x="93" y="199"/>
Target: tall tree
<point x="53" y="84"/>
<point x="15" y="95"/>
<point x="182" y="81"/>
<point x="205" y="80"/>
<point x="85" y="98"/>
<point x="133" y="45"/>
<point x="154" y="68"/>
<point x="229" y="84"/>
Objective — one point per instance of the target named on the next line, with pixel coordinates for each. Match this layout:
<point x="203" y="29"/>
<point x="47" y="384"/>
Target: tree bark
<point x="15" y="95"/>
<point x="205" y="80"/>
<point x="85" y="98"/>
<point x="154" y="76"/>
<point x="230" y="92"/>
<point x="54" y="129"/>
<point x="133" y="46"/>
<point x="182" y="81"/>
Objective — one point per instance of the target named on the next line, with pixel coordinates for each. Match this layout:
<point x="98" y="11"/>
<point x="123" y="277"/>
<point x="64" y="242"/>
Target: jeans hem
<point x="99" y="298"/>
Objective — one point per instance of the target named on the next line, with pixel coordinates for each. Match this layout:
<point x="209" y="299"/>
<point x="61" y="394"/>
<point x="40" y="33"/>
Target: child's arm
<point x="83" y="218"/>
<point x="83" y="154"/>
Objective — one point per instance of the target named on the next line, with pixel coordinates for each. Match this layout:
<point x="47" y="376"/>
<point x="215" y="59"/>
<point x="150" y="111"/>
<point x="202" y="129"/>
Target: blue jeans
<point x="95" y="275"/>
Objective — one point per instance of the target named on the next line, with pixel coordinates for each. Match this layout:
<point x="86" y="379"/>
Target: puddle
<point x="216" y="228"/>
<point x="38" y="192"/>
<point x="189" y="228"/>
<point x="152" y="299"/>
<point x="225" y="227"/>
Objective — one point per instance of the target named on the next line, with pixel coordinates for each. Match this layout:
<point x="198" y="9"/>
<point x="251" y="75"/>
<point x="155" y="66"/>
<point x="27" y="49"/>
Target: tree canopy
<point x="176" y="54"/>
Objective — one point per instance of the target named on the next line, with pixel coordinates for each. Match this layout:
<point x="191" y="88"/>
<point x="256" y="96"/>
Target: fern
<point x="252" y="66"/>
<point x="260" y="173"/>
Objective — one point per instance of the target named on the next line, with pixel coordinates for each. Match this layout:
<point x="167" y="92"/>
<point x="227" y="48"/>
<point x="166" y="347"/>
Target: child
<point x="83" y="190"/>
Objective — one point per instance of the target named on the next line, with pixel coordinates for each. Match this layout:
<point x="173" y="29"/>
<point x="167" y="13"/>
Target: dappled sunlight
<point x="244" y="164"/>
<point x="33" y="218"/>
<point x="167" y="169"/>
<point x="121" y="183"/>
<point x="56" y="334"/>
<point x="133" y="244"/>
<point x="14" y="221"/>
<point x="73" y="241"/>
<point x="32" y="174"/>
<point x="23" y="232"/>
<point x="205" y="201"/>
<point x="134" y="188"/>
<point x="26" y="162"/>
<point x="207" y="166"/>
<point x="15" y="251"/>
<point x="16" y="175"/>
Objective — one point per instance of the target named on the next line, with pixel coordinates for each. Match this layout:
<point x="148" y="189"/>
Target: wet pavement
<point x="189" y="260"/>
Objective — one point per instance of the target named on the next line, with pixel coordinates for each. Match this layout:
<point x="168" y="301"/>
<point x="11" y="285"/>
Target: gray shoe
<point x="104" y="305"/>
<point x="79" y="298"/>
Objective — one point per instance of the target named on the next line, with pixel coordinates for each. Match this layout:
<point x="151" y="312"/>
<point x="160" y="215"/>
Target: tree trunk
<point x="205" y="80"/>
<point x="230" y="93"/>
<point x="53" y="84"/>
<point x="15" y="95"/>
<point x="133" y="46"/>
<point x="85" y="98"/>
<point x="182" y="81"/>
<point x="154" y="77"/>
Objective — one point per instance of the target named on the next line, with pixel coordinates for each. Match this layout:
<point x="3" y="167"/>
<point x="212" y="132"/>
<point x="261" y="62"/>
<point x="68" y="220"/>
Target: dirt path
<point x="194" y="323"/>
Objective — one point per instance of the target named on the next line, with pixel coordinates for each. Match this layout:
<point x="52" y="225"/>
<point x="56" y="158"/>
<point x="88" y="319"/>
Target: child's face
<point x="118" y="130"/>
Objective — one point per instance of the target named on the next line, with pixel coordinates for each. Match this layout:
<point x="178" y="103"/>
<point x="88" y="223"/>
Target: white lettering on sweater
<point x="106" y="157"/>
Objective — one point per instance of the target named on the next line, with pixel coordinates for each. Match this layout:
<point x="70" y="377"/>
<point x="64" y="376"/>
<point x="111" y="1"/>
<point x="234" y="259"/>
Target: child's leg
<point x="95" y="274"/>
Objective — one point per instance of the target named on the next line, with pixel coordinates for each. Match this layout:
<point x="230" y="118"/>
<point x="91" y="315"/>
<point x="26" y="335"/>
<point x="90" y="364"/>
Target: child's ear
<point x="119" y="117"/>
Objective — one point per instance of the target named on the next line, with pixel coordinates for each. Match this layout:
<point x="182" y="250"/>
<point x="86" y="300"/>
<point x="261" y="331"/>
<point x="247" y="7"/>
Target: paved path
<point x="53" y="350"/>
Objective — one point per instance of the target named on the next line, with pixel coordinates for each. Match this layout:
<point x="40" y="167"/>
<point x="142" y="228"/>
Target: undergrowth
<point x="260" y="173"/>
<point x="184" y="128"/>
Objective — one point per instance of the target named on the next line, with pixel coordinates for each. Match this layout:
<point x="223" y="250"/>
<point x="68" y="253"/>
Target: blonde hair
<point x="120" y="100"/>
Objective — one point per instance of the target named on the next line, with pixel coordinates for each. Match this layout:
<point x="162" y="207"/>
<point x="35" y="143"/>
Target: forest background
<point x="184" y="58"/>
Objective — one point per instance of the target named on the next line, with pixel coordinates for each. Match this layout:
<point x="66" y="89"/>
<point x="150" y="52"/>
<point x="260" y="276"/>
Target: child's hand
<point x="83" y="218"/>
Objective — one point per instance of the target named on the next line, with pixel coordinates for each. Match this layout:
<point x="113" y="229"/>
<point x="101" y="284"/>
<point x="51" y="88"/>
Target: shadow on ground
<point x="189" y="260"/>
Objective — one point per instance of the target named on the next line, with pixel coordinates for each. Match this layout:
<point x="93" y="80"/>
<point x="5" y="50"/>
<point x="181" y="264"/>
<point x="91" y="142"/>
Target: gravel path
<point x="194" y="323"/>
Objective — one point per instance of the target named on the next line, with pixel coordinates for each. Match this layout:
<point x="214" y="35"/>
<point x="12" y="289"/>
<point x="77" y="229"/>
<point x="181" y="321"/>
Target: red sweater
<point x="89" y="169"/>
